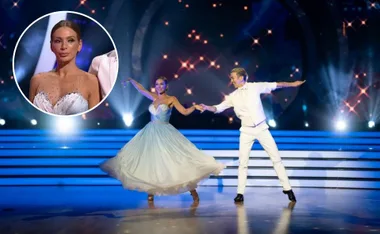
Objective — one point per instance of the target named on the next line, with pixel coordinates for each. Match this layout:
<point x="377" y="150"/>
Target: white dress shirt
<point x="105" y="67"/>
<point x="247" y="104"/>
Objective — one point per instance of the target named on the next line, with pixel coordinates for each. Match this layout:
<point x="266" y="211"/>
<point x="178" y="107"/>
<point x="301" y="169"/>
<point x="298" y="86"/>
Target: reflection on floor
<point x="110" y="209"/>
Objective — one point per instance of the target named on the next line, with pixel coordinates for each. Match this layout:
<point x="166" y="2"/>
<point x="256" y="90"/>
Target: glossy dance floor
<point x="110" y="209"/>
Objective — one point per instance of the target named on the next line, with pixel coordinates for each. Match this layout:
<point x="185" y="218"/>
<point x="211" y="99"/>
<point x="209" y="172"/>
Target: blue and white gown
<point x="159" y="160"/>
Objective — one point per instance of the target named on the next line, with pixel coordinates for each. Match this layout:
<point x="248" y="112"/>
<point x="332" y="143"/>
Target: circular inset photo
<point x="65" y="63"/>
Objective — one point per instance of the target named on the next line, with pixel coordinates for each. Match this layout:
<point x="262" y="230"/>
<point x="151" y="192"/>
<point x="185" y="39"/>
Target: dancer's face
<point x="237" y="80"/>
<point x="160" y="86"/>
<point x="65" y="44"/>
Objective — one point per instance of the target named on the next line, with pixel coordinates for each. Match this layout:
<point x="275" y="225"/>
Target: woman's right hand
<point x="198" y="107"/>
<point x="125" y="82"/>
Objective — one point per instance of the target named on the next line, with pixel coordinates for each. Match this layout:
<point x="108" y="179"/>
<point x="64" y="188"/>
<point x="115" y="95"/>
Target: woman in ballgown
<point x="67" y="90"/>
<point x="159" y="160"/>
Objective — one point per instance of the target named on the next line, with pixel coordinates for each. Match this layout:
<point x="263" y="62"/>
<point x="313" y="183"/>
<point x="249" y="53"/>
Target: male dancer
<point x="247" y="105"/>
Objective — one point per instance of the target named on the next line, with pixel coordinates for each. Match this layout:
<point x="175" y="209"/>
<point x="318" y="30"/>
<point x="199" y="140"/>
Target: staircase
<point x="312" y="158"/>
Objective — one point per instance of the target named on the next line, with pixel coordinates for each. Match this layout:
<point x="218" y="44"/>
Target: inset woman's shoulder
<point x="42" y="76"/>
<point x="90" y="78"/>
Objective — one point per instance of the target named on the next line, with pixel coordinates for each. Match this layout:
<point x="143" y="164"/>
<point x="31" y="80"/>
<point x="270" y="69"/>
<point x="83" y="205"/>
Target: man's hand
<point x="206" y="108"/>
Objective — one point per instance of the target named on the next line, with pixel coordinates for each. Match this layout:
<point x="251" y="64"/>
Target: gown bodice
<point x="69" y="104"/>
<point x="162" y="113"/>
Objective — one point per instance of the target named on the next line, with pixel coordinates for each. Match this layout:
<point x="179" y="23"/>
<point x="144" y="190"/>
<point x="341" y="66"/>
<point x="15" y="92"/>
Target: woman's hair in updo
<point x="163" y="78"/>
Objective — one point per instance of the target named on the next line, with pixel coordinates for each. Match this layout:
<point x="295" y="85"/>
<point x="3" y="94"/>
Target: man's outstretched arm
<point x="289" y="84"/>
<point x="218" y="108"/>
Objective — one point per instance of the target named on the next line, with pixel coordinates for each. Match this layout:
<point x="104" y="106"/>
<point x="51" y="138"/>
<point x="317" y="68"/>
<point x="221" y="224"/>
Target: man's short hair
<point x="240" y="72"/>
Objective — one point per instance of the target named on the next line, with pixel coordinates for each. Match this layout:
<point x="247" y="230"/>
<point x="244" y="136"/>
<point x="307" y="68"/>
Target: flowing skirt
<point x="160" y="160"/>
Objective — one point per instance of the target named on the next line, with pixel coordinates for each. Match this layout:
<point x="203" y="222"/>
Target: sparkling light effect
<point x="65" y="125"/>
<point x="371" y="124"/>
<point x="272" y="123"/>
<point x="189" y="91"/>
<point x="341" y="125"/>
<point x="230" y="120"/>
<point x="128" y="119"/>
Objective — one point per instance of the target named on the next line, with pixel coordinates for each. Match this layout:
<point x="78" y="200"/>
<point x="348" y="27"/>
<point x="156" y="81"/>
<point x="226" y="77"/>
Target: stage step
<point x="331" y="163"/>
<point x="254" y="182"/>
<point x="312" y="159"/>
<point x="229" y="172"/>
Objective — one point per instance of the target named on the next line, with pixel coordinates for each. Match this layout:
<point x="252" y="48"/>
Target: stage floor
<point x="110" y="209"/>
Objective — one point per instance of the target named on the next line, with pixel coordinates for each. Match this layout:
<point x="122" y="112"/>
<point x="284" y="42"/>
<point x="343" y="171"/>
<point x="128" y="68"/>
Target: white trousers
<point x="247" y="137"/>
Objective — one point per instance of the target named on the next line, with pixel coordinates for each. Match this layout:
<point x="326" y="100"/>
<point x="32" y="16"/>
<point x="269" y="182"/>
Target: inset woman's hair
<point x="69" y="24"/>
